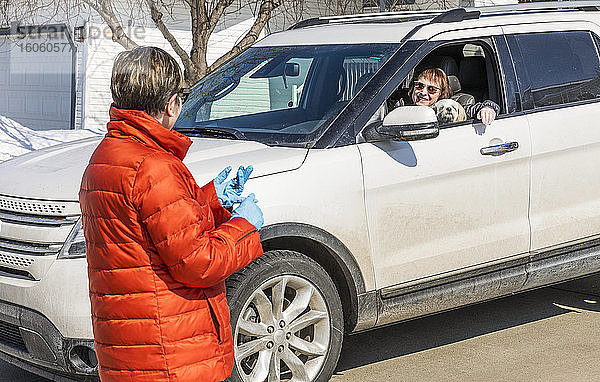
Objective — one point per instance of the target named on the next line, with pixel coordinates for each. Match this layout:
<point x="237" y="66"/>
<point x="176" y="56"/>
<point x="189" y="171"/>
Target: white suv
<point x="368" y="221"/>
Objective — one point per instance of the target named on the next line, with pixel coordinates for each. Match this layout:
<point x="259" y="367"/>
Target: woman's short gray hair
<point x="144" y="79"/>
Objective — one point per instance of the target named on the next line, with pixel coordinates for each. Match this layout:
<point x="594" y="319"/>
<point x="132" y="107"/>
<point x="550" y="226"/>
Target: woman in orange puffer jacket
<point x="158" y="246"/>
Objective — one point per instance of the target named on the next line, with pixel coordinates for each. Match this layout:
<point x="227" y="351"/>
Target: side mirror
<point x="292" y="69"/>
<point x="410" y="123"/>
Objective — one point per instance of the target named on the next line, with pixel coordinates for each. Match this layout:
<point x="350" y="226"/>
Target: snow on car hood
<point x="54" y="173"/>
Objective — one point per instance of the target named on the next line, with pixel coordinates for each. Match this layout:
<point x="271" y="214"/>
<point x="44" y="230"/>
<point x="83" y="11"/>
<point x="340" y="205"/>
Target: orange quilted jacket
<point x="158" y="249"/>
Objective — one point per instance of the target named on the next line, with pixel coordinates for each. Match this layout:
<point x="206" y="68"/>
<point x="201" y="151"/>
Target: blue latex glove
<point x="250" y="211"/>
<point x="230" y="192"/>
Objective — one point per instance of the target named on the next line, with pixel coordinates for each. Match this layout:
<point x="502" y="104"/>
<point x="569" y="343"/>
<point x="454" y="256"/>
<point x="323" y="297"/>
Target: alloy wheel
<point x="283" y="332"/>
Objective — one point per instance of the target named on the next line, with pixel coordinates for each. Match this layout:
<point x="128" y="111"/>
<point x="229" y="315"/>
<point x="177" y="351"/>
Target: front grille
<point x="32" y="233"/>
<point x="18" y="210"/>
<point x="10" y="336"/>
<point x="16" y="273"/>
<point x="32" y="206"/>
<point x="15" y="260"/>
<point x="21" y="218"/>
<point x="13" y="247"/>
<point x="26" y="260"/>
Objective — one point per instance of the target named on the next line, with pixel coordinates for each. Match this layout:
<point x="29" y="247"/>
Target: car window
<point x="475" y="79"/>
<point x="562" y="67"/>
<point x="472" y="50"/>
<point x="257" y="93"/>
<point x="281" y="95"/>
<point x="357" y="72"/>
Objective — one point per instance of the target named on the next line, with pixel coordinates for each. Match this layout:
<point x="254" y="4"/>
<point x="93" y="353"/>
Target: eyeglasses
<point x="183" y="94"/>
<point x="430" y="88"/>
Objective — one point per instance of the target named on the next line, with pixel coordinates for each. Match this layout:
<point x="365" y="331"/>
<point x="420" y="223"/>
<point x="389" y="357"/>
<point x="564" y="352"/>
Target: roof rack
<point x="455" y="15"/>
<point x="383" y="17"/>
<point x="575" y="5"/>
<point x="452" y="15"/>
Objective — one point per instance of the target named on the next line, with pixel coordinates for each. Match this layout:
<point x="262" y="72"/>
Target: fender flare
<point x="338" y="252"/>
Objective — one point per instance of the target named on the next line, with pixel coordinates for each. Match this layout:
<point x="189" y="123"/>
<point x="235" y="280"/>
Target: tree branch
<point x="190" y="67"/>
<point x="216" y="14"/>
<point x="105" y="10"/>
<point x="264" y="14"/>
<point x="199" y="18"/>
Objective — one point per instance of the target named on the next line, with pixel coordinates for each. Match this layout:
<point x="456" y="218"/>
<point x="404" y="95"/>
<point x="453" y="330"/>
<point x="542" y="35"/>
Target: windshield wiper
<point x="213" y="132"/>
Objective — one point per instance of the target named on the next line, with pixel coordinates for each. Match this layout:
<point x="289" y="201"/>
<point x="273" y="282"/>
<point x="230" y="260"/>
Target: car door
<point x="558" y="68"/>
<point x="438" y="207"/>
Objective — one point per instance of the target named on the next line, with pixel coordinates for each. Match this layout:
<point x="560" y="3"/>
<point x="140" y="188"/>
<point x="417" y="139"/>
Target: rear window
<point x="562" y="67"/>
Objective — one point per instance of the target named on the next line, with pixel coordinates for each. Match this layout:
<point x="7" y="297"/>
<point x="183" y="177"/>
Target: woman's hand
<point x="486" y="115"/>
<point x="230" y="192"/>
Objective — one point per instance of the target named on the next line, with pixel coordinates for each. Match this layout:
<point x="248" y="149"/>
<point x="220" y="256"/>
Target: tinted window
<point x="562" y="67"/>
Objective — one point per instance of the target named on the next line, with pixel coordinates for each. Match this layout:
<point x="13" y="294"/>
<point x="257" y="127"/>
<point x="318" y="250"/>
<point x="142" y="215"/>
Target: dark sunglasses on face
<point x="183" y="94"/>
<point x="430" y="88"/>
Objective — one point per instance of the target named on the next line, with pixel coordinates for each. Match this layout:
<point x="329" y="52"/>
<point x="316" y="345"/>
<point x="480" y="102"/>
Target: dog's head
<point x="448" y="111"/>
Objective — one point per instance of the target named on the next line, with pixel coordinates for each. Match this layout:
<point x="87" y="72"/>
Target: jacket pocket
<point x="215" y="320"/>
<point x="245" y="236"/>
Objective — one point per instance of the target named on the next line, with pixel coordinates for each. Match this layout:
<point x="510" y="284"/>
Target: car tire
<point x="286" y="319"/>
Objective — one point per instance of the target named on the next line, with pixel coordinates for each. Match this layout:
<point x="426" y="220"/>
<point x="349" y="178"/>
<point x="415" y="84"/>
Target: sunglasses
<point x="183" y="94"/>
<point x="430" y="88"/>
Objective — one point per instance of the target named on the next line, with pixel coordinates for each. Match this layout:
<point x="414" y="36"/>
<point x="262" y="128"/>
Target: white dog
<point x="449" y="111"/>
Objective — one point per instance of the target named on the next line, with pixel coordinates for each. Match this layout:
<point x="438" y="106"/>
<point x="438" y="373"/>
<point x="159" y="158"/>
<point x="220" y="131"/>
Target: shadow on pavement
<point x="445" y="328"/>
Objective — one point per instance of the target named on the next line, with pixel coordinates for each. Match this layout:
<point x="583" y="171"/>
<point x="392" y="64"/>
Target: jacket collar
<point x="146" y="129"/>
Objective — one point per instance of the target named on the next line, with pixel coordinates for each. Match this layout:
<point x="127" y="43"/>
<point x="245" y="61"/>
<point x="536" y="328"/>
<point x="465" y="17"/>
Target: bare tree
<point x="205" y="16"/>
<point x="3" y="9"/>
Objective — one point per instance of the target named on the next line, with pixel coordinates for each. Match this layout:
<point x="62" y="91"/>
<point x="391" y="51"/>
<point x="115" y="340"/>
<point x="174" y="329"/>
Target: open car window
<point x="475" y="78"/>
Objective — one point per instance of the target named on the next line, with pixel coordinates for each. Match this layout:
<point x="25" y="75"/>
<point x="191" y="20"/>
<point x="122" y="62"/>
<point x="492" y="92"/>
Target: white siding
<point x="249" y="97"/>
<point x="102" y="51"/>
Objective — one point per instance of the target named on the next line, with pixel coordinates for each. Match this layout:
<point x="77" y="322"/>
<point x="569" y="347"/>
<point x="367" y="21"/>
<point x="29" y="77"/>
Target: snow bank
<point x="16" y="139"/>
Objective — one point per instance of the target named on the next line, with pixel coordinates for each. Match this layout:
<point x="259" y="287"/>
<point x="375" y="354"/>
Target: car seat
<point x="457" y="95"/>
<point x="446" y="63"/>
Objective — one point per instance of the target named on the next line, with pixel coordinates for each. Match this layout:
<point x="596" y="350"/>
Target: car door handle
<point x="499" y="149"/>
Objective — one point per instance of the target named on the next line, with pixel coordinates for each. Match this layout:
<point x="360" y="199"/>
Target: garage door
<point x="36" y="77"/>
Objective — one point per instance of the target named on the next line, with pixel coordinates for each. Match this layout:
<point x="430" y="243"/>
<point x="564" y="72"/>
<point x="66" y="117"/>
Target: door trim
<point x="516" y="274"/>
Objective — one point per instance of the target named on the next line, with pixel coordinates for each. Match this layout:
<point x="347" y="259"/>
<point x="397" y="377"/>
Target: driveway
<point x="552" y="334"/>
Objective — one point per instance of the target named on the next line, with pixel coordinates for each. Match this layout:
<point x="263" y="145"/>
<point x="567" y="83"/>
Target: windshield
<point x="286" y="95"/>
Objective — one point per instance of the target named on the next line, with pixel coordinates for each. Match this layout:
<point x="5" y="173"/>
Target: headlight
<point x="75" y="245"/>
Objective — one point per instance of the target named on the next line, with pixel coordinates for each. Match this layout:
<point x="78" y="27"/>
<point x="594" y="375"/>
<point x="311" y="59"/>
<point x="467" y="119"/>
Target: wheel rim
<point x="283" y="332"/>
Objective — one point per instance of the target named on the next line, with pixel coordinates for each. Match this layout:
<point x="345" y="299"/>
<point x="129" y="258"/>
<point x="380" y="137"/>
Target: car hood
<point x="54" y="173"/>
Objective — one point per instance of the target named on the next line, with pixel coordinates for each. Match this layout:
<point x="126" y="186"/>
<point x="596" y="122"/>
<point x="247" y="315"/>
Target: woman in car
<point x="432" y="85"/>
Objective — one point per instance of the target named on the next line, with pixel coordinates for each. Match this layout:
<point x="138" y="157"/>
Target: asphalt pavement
<point x="551" y="334"/>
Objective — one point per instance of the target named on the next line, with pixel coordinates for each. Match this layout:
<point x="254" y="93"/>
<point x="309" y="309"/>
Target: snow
<point x="16" y="139"/>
